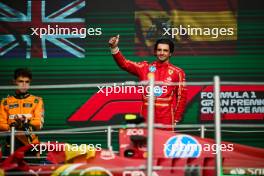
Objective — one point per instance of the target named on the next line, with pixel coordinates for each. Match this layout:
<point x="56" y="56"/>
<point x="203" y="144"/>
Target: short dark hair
<point x="165" y="41"/>
<point x="23" y="72"/>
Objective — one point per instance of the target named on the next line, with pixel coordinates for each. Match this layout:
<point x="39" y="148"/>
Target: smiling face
<point x="163" y="52"/>
<point x="23" y="84"/>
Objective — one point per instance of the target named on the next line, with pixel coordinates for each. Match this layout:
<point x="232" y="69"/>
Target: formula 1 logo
<point x="182" y="146"/>
<point x="102" y="110"/>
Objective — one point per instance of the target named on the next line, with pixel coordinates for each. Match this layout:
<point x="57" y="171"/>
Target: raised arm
<point x="132" y="67"/>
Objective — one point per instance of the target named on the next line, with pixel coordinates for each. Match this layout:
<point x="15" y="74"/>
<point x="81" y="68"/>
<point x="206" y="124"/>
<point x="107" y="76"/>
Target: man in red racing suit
<point x="169" y="100"/>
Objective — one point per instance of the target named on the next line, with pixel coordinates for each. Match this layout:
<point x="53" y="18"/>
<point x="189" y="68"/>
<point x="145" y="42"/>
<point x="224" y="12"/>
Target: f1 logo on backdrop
<point x="108" y="110"/>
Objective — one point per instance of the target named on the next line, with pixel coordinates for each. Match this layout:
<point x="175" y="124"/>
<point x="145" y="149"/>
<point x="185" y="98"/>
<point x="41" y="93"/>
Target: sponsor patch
<point x="36" y="100"/>
<point x="152" y="69"/>
<point x="12" y="106"/>
<point x="27" y="105"/>
<point x="170" y="72"/>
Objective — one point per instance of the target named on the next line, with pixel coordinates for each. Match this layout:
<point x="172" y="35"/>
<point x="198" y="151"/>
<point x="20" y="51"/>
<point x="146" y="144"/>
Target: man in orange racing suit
<point x="169" y="100"/>
<point x="22" y="110"/>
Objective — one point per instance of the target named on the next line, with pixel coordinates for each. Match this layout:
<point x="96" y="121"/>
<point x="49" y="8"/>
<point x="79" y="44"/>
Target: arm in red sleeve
<point x="132" y="67"/>
<point x="181" y="97"/>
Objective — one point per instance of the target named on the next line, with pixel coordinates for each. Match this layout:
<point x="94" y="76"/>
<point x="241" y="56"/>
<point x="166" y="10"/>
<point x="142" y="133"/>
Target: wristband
<point x="114" y="50"/>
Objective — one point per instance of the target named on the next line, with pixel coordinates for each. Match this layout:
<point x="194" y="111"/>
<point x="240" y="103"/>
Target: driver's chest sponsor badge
<point x="170" y="72"/>
<point x="152" y="68"/>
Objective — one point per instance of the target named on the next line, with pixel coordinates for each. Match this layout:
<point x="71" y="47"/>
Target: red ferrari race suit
<point x="170" y="101"/>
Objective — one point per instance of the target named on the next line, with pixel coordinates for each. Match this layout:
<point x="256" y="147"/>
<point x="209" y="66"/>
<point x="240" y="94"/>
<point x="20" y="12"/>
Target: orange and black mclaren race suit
<point x="170" y="100"/>
<point x="27" y="105"/>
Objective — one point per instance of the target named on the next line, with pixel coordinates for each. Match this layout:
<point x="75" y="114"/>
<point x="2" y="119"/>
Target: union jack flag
<point x="18" y="18"/>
